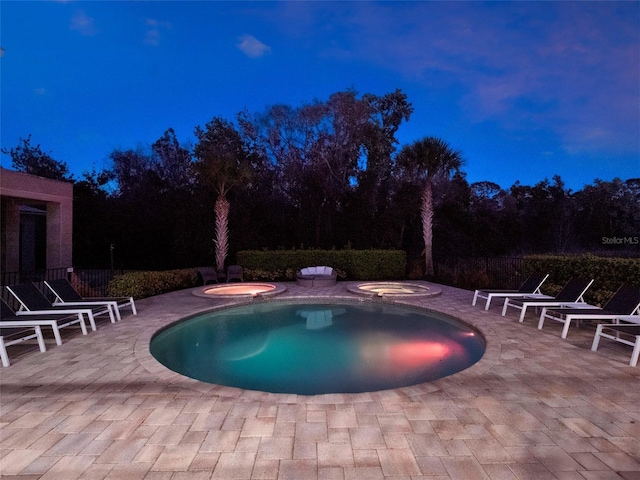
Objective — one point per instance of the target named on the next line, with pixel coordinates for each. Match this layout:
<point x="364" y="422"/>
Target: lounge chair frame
<point x="630" y="335"/>
<point x="65" y="294"/>
<point x="626" y="298"/>
<point x="530" y="288"/>
<point x="14" y="335"/>
<point x="27" y="305"/>
<point x="565" y="298"/>
<point x="54" y="320"/>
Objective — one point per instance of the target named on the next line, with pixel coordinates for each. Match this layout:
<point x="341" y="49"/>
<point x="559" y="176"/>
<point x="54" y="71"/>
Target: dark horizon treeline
<point x="322" y="175"/>
<point x="155" y="227"/>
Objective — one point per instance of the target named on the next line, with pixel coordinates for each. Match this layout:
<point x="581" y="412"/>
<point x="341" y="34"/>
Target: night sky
<point x="525" y="90"/>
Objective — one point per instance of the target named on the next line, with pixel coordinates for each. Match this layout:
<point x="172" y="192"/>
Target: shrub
<point x="608" y="273"/>
<point x="348" y="264"/>
<point x="146" y="284"/>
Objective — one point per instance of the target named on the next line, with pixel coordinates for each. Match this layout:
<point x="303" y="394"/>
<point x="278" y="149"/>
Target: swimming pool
<point x="316" y="348"/>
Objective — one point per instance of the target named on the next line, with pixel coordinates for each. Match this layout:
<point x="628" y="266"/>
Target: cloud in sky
<point x="252" y="47"/>
<point x="572" y="67"/>
<point x="155" y="28"/>
<point x="83" y="24"/>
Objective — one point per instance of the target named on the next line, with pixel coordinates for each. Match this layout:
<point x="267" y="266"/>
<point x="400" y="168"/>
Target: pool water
<point x="309" y="349"/>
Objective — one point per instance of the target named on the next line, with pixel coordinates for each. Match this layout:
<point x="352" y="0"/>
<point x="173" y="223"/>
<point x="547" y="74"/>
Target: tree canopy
<point x="31" y="159"/>
<point x="323" y="174"/>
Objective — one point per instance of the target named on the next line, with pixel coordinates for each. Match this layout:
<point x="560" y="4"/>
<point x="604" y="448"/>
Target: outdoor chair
<point x="625" y="301"/>
<point x="207" y="275"/>
<point x="529" y="288"/>
<point x="12" y="336"/>
<point x="317" y="277"/>
<point x="626" y="333"/>
<point x="65" y="294"/>
<point x="11" y="319"/>
<point x="33" y="300"/>
<point x="570" y="295"/>
<point x="234" y="274"/>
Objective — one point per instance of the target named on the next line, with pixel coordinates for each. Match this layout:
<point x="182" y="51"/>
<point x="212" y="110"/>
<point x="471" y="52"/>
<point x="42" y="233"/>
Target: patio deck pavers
<point x="534" y="407"/>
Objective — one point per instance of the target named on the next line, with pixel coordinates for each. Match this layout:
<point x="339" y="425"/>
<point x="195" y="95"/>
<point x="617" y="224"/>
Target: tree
<point x="172" y="162"/>
<point x="131" y="169"/>
<point x="608" y="209"/>
<point x="328" y="155"/>
<point x="92" y="218"/>
<point x="491" y="226"/>
<point x="544" y="214"/>
<point x="370" y="219"/>
<point x="425" y="162"/>
<point x="222" y="162"/>
<point x="31" y="159"/>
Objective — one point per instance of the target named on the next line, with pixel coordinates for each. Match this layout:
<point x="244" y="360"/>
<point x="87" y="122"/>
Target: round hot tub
<point x="318" y="348"/>
<point x="394" y="289"/>
<point x="238" y="290"/>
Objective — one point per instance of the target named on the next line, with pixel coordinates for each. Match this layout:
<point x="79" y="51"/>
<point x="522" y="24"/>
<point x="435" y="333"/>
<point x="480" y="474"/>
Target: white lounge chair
<point x="56" y="321"/>
<point x="625" y="301"/>
<point x="626" y="333"/>
<point x="33" y="300"/>
<point x="530" y="288"/>
<point x="570" y="295"/>
<point x="14" y="335"/>
<point x="65" y="294"/>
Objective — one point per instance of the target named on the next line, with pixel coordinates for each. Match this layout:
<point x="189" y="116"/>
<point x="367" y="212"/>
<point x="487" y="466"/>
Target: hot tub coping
<point x="425" y="290"/>
<point x="274" y="289"/>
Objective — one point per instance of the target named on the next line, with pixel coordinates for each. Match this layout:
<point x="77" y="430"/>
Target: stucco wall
<point x="16" y="189"/>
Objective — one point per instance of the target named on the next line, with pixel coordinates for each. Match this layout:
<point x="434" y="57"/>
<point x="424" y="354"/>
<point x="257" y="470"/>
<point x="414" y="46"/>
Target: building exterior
<point x="36" y="221"/>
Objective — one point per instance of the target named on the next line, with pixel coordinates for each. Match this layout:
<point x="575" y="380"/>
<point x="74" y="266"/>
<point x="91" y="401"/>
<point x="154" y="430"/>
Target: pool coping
<point x="154" y="367"/>
<point x="536" y="406"/>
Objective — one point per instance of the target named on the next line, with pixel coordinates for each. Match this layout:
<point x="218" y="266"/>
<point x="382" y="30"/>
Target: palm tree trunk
<point x="426" y="213"/>
<point x="222" y="231"/>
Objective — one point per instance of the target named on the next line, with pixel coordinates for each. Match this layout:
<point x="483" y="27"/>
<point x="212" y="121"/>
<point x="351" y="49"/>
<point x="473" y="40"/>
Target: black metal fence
<point x="479" y="272"/>
<point x="462" y="272"/>
<point x="88" y="282"/>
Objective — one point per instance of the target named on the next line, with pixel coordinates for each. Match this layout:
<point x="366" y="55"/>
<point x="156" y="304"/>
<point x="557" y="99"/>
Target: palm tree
<point x="424" y="162"/>
<point x="223" y="162"/>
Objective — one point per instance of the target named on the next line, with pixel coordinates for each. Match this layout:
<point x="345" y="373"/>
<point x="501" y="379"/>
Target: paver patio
<point x="534" y="407"/>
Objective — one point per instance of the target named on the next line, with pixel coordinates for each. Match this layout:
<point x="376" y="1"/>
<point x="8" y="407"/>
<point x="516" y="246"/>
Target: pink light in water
<point x="414" y="354"/>
<point x="388" y="355"/>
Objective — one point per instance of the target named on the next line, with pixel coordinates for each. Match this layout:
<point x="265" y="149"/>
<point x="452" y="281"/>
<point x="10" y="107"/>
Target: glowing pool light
<point x="238" y="290"/>
<point x="386" y="289"/>
<point x="415" y="354"/>
<point x="317" y="348"/>
<point x="394" y="289"/>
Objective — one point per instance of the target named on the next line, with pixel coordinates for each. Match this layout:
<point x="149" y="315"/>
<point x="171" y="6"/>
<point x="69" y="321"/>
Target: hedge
<point x="349" y="264"/>
<point x="608" y="273"/>
<point x="148" y="283"/>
